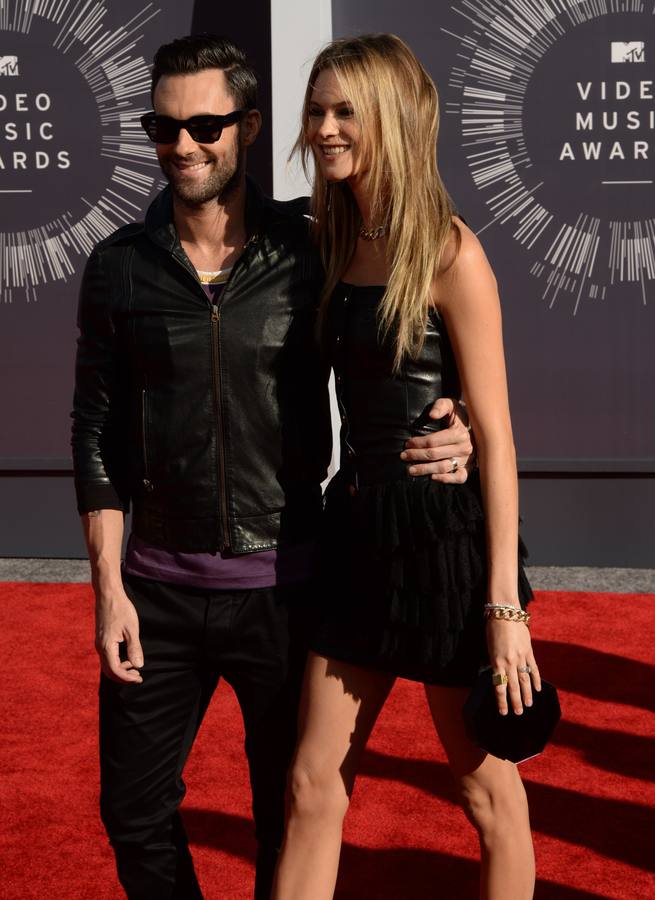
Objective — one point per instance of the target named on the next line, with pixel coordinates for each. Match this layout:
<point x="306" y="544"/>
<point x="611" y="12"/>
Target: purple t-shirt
<point x="220" y="571"/>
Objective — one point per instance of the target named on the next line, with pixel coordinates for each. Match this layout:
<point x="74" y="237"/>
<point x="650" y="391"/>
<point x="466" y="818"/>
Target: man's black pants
<point x="191" y="637"/>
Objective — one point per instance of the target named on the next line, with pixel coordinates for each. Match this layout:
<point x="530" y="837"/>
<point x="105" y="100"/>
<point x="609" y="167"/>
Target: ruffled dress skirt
<point x="403" y="578"/>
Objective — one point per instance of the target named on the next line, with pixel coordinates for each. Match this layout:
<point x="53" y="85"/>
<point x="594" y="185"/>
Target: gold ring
<point x="499" y="678"/>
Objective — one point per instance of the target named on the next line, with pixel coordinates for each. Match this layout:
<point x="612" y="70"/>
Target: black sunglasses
<point x="203" y="129"/>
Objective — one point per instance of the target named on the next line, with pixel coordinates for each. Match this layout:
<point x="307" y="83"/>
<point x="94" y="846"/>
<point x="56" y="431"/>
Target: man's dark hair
<point x="197" y="52"/>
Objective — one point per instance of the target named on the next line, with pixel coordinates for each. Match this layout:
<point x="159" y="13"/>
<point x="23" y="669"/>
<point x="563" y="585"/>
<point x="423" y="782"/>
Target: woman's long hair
<point x="395" y="102"/>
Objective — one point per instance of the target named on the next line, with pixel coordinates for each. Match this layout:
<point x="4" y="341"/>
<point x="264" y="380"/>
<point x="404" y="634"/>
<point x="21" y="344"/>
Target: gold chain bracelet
<point x="509" y="613"/>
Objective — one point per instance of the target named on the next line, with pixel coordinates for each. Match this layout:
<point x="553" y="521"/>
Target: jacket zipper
<point x="148" y="485"/>
<point x="215" y="320"/>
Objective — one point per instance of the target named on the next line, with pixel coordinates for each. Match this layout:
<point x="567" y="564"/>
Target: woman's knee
<point x="494" y="801"/>
<point x="313" y="793"/>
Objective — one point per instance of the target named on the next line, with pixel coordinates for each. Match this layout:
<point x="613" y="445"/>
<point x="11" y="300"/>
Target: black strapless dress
<point x="403" y="572"/>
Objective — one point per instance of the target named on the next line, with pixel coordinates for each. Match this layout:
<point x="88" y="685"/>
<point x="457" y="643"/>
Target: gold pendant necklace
<point x="372" y="234"/>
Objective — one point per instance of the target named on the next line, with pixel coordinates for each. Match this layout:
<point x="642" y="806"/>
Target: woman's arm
<point x="466" y="295"/>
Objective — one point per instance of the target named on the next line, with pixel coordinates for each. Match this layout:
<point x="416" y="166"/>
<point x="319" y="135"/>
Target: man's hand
<point x="116" y="618"/>
<point x="117" y="621"/>
<point x="446" y="455"/>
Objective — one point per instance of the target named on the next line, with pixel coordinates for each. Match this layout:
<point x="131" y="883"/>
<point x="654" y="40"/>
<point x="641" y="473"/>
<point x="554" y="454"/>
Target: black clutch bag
<point x="512" y="737"/>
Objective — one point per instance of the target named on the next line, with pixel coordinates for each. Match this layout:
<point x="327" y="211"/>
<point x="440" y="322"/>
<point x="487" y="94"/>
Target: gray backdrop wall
<point x="546" y="147"/>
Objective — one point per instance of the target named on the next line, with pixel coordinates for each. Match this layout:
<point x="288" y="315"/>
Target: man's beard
<point x="224" y="177"/>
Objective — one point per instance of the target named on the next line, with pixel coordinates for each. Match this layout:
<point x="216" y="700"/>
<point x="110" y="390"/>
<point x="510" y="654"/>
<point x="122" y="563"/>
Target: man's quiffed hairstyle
<point x="197" y="52"/>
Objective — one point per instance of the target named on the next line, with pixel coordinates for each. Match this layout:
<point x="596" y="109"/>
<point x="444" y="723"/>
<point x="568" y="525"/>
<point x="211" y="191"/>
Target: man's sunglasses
<point x="203" y="129"/>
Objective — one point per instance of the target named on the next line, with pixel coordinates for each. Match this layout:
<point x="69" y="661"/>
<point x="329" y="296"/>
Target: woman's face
<point x="332" y="130"/>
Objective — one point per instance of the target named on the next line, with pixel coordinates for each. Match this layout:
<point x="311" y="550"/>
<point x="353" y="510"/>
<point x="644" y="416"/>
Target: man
<point x="201" y="399"/>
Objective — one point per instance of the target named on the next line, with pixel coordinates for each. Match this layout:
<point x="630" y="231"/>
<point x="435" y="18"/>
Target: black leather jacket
<point x="212" y="421"/>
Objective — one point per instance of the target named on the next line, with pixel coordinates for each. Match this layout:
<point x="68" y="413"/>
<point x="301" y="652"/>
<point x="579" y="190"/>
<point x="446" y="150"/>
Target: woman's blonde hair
<point x="395" y="102"/>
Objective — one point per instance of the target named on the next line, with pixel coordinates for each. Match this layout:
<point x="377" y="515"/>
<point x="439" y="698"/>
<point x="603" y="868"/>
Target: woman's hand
<point x="510" y="654"/>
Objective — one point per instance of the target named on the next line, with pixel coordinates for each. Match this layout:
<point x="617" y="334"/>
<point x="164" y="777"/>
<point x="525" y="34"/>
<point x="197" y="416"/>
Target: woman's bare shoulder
<point x="464" y="262"/>
<point x="467" y="248"/>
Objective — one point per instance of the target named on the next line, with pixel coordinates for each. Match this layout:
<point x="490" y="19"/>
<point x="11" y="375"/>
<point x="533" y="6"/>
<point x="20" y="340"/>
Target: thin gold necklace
<point x="372" y="234"/>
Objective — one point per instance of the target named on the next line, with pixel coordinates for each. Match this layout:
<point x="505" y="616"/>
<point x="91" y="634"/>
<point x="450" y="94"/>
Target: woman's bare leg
<point x="338" y="709"/>
<point x="494" y="801"/>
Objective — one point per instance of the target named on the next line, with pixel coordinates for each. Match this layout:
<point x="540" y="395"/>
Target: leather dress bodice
<point x="381" y="409"/>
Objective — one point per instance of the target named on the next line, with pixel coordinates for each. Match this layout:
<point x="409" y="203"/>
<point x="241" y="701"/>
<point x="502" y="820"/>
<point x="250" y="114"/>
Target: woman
<point x="415" y="571"/>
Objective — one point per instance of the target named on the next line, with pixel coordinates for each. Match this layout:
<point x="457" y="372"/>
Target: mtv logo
<point x="628" y="52"/>
<point x="8" y="65"/>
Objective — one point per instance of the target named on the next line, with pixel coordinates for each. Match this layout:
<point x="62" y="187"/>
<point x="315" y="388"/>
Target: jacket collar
<point x="160" y="226"/>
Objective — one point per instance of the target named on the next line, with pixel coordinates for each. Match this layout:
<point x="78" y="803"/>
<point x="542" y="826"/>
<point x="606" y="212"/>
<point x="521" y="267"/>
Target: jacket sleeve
<point x="100" y="415"/>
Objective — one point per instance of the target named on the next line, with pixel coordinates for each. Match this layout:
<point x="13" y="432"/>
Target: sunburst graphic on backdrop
<point x="66" y="61"/>
<point x="556" y="107"/>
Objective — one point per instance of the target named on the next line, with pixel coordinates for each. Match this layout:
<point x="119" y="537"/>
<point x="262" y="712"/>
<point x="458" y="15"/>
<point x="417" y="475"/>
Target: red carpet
<point x="591" y="793"/>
